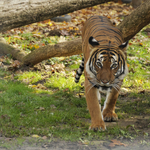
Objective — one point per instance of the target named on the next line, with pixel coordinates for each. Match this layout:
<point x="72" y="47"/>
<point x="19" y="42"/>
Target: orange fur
<point x="105" y="75"/>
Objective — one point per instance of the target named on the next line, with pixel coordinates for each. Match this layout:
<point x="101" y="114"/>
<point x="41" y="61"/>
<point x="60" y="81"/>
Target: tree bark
<point x="8" y="49"/>
<point x="138" y="19"/>
<point x="17" y="13"/>
<point x="62" y="49"/>
<point x="136" y="3"/>
<point x="131" y="25"/>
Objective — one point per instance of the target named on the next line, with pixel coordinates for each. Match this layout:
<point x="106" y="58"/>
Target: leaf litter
<point x="67" y="31"/>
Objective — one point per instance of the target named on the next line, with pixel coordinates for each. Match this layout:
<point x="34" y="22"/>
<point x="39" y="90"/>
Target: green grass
<point x="59" y="113"/>
<point x="24" y="113"/>
<point x="30" y="41"/>
<point x="28" y="113"/>
<point x="30" y="77"/>
<point x="59" y="109"/>
<point x="139" y="61"/>
<point x="62" y="81"/>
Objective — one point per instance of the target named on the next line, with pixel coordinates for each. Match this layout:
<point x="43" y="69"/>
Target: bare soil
<point x="140" y="143"/>
<point x="56" y="144"/>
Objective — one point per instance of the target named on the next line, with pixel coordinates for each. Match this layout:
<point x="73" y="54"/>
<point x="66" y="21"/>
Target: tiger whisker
<point x="88" y="76"/>
<point x="90" y="86"/>
<point x="117" y="85"/>
<point x="93" y="81"/>
<point x="115" y="88"/>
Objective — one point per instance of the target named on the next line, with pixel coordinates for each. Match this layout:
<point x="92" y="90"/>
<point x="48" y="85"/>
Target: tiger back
<point x="104" y="66"/>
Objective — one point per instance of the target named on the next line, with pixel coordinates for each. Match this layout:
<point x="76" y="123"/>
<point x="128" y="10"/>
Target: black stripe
<point x="82" y="68"/>
<point x="79" y="74"/>
<point x="77" y="78"/>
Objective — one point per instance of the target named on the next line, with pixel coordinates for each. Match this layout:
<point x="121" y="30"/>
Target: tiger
<point x="104" y="64"/>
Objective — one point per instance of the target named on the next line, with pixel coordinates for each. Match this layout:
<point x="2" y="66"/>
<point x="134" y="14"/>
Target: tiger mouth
<point x="103" y="87"/>
<point x="106" y="87"/>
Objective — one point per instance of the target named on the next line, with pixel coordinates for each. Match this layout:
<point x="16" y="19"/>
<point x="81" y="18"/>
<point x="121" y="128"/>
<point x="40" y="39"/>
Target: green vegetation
<point x="139" y="61"/>
<point x="48" y="103"/>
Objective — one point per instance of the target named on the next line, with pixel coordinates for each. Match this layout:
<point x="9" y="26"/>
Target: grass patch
<point x="63" y="82"/>
<point x="139" y="60"/>
<point x="51" y="104"/>
<point x="30" y="77"/>
<point x="24" y="113"/>
<point x="59" y="114"/>
<point x="28" y="113"/>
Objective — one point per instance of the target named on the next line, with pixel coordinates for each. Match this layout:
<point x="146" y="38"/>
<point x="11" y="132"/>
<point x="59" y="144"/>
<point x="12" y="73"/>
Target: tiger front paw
<point x="109" y="116"/>
<point x="98" y="127"/>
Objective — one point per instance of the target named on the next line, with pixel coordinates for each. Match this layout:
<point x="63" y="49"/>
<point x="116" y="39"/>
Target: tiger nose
<point x="105" y="81"/>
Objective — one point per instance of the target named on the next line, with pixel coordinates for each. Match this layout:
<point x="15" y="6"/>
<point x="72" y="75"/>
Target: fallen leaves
<point x="39" y="86"/>
<point x="114" y="11"/>
<point x="141" y="44"/>
<point x="35" y="136"/>
<point x="117" y="143"/>
<point x="85" y="142"/>
<point x="142" y="92"/>
<point x="7" y="62"/>
<point x="15" y="64"/>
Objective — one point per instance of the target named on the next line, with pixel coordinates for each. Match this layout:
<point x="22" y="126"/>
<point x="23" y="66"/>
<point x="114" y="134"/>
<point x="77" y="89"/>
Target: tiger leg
<point x="92" y="97"/>
<point x="109" y="106"/>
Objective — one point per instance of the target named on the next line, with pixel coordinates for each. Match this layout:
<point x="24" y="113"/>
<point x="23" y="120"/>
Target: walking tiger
<point x="104" y="65"/>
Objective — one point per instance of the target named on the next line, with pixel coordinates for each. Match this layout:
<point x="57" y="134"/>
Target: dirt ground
<point x="136" y="122"/>
<point x="30" y="143"/>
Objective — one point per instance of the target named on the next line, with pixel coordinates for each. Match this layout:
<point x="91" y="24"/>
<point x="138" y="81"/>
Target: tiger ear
<point x="93" y="42"/>
<point x="124" y="45"/>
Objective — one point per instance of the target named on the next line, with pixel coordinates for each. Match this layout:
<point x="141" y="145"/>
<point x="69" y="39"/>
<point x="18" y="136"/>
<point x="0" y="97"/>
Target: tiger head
<point x="107" y="65"/>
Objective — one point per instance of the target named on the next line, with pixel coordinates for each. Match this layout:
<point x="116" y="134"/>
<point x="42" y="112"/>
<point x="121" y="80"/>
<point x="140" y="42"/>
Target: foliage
<point x="31" y="37"/>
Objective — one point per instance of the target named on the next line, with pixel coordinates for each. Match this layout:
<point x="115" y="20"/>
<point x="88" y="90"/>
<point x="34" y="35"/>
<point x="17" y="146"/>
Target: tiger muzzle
<point x="104" y="81"/>
<point x="98" y="86"/>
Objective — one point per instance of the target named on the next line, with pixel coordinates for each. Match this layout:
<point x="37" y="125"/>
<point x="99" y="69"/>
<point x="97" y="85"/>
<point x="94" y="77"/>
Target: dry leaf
<point x="142" y="92"/>
<point x="44" y="137"/>
<point x="141" y="44"/>
<point x="41" y="108"/>
<point x="35" y="136"/>
<point x="15" y="64"/>
<point x="115" y="142"/>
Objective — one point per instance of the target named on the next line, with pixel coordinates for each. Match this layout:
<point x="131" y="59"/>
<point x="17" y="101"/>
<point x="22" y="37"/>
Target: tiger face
<point x="107" y="65"/>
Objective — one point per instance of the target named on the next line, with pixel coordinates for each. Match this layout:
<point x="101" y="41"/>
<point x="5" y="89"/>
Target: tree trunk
<point x="8" y="49"/>
<point x="131" y="25"/>
<point x="138" y="19"/>
<point x="136" y="3"/>
<point x="62" y="49"/>
<point x="17" y="13"/>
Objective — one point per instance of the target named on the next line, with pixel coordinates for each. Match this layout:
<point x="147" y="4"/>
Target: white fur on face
<point x="125" y="73"/>
<point x="87" y="68"/>
<point x="94" y="40"/>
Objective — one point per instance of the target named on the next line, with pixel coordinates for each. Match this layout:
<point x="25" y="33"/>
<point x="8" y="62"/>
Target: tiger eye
<point x="114" y="66"/>
<point x="99" y="64"/>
